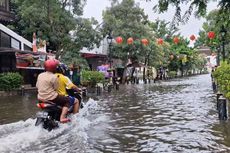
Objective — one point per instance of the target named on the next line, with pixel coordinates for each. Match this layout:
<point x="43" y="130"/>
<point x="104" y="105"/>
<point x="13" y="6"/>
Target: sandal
<point x="65" y="120"/>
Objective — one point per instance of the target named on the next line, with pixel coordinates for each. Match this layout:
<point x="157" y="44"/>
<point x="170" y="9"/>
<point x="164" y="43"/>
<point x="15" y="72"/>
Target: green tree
<point x="181" y="56"/>
<point x="213" y="23"/>
<point x="126" y="19"/>
<point x="215" y="20"/>
<point x="57" y="22"/>
<point x="47" y="18"/>
<point x="198" y="7"/>
<point x="83" y="36"/>
<point x="162" y="29"/>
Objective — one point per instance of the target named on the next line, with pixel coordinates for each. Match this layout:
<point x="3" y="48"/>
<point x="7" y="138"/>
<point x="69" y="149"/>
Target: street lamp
<point x="110" y="40"/>
<point x="223" y="33"/>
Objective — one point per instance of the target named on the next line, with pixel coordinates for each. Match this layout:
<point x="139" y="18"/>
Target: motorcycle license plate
<point x="42" y="115"/>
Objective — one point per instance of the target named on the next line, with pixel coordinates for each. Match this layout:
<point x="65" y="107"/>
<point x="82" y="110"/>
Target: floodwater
<point x="173" y="116"/>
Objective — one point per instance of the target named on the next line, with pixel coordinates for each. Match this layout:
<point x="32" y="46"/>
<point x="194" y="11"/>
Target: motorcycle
<point x="49" y="117"/>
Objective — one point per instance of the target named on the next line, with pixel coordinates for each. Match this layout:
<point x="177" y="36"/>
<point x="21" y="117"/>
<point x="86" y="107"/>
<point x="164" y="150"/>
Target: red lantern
<point x="144" y="41"/>
<point x="119" y="40"/>
<point x="192" y="37"/>
<point x="176" y="40"/>
<point x="130" y="40"/>
<point x="211" y="35"/>
<point x="160" y="41"/>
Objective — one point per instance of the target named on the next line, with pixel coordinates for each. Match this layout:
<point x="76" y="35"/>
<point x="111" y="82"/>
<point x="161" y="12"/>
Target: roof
<point x="102" y="49"/>
<point x="135" y="64"/>
<point x="205" y="50"/>
<point x="92" y="55"/>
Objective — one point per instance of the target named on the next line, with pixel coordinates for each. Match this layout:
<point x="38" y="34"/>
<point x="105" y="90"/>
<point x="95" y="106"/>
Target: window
<point x="15" y="43"/>
<point x="3" y="5"/>
<point x="27" y="48"/>
<point x="5" y="40"/>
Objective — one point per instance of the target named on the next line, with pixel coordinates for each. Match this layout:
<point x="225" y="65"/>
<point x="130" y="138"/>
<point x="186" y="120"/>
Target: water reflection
<point x="15" y="108"/>
<point x="173" y="116"/>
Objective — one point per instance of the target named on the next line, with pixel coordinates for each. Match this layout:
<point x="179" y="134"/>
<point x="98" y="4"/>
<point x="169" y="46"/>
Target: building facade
<point x="210" y="56"/>
<point x="96" y="56"/>
<point x="5" y="14"/>
<point x="10" y="39"/>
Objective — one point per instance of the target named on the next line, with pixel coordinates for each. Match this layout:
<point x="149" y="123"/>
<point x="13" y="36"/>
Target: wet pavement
<point x="173" y="116"/>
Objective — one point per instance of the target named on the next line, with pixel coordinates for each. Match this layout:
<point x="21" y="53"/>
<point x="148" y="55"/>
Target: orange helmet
<point x="51" y="65"/>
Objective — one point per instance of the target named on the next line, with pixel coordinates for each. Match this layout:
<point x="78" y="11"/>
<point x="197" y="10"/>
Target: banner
<point x="29" y="60"/>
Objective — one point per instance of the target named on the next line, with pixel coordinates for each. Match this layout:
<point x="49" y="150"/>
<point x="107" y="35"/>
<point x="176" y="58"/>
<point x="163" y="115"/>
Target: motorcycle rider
<point x="65" y="83"/>
<point x="47" y="84"/>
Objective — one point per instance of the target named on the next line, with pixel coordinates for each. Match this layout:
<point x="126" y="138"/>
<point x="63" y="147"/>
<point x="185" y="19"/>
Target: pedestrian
<point x="76" y="76"/>
<point x="161" y="73"/>
<point x="70" y="72"/>
<point x="135" y="76"/>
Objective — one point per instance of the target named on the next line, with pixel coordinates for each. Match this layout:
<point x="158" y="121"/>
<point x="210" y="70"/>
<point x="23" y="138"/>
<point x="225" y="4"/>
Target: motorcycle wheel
<point x="50" y="124"/>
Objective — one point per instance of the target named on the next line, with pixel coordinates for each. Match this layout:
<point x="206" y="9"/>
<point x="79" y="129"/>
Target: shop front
<point x="94" y="60"/>
<point x="29" y="64"/>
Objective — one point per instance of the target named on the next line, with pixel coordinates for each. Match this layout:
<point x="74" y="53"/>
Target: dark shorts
<point x="72" y="100"/>
<point x="62" y="101"/>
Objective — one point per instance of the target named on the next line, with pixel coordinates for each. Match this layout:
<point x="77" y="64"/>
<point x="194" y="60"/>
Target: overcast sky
<point x="94" y="9"/>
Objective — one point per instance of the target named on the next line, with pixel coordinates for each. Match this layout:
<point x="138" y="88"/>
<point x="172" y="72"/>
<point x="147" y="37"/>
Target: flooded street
<point x="173" y="116"/>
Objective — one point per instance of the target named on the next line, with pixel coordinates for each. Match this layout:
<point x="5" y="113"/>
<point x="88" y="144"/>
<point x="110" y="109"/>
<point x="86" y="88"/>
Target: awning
<point x="135" y="64"/>
<point x="12" y="50"/>
<point x="91" y="55"/>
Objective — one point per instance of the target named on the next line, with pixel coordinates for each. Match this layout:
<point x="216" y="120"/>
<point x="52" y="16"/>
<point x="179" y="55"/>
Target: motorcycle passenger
<point x="65" y="83"/>
<point x="47" y="84"/>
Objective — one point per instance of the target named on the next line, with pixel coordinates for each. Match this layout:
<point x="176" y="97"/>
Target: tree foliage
<point x="10" y="81"/>
<point x="47" y="18"/>
<point x="58" y="22"/>
<point x="162" y="28"/>
<point x="222" y="76"/>
<point x="198" y="7"/>
<point x="215" y="21"/>
<point x="127" y="19"/>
